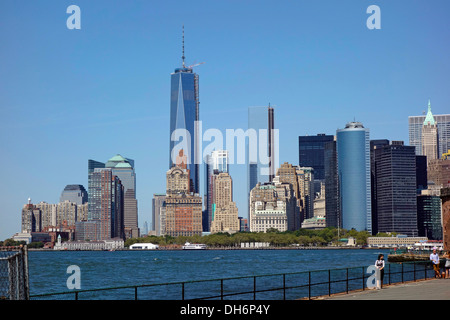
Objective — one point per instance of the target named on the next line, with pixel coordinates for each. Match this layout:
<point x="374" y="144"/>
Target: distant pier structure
<point x="445" y="196"/>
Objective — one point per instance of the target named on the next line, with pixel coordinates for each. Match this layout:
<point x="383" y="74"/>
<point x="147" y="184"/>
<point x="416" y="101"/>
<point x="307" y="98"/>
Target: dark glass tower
<point x="184" y="117"/>
<point x="421" y="173"/>
<point x="253" y="175"/>
<point x="396" y="189"/>
<point x="311" y="153"/>
<point x="374" y="144"/>
<point x="429" y="217"/>
<point x="92" y="165"/>
<point x="332" y="201"/>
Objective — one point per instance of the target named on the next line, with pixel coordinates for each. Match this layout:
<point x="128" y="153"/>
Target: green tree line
<point x="301" y="237"/>
<point x="13" y="243"/>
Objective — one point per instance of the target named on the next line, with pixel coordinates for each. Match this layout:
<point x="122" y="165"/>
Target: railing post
<point x="425" y="269"/>
<point x="26" y="285"/>
<point x="402" y="273"/>
<point x="363" y="269"/>
<point x="254" y="288"/>
<point x="389" y="270"/>
<point x="17" y="278"/>
<point x="135" y="293"/>
<point x="76" y="295"/>
<point x="329" y="282"/>
<point x="309" y="285"/>
<point x="284" y="286"/>
<point x="182" y="291"/>
<point x="347" y="281"/>
<point x="414" y="271"/>
<point x="221" y="289"/>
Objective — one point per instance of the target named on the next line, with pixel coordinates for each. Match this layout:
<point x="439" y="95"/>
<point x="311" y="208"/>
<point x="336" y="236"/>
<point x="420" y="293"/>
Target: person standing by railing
<point x="379" y="264"/>
<point x="434" y="257"/>
<point x="447" y="265"/>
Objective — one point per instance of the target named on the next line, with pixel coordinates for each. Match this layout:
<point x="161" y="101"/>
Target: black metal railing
<point x="282" y="286"/>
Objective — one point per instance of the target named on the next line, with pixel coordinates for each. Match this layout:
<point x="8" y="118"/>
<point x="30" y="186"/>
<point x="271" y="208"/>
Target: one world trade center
<point x="184" y="116"/>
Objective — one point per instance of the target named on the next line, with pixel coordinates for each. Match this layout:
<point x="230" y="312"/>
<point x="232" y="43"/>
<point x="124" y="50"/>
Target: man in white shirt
<point x="434" y="257"/>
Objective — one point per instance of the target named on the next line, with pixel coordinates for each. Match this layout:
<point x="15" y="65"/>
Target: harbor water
<point x="49" y="270"/>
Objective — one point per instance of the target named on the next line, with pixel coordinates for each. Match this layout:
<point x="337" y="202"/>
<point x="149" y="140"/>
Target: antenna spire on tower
<point x="183" y="57"/>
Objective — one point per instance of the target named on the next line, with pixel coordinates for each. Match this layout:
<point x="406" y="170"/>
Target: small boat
<point x="144" y="246"/>
<point x="194" y="246"/>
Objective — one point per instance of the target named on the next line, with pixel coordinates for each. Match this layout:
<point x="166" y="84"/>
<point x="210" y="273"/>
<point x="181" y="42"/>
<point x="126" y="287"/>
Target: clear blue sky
<point x="67" y="96"/>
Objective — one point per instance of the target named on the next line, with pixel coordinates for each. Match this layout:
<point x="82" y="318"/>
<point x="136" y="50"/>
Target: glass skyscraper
<point x="157" y="205"/>
<point x="253" y="174"/>
<point x="261" y="151"/>
<point x="106" y="203"/>
<point x="421" y="173"/>
<point x="353" y="153"/>
<point x="261" y="148"/>
<point x="123" y="168"/>
<point x="332" y="199"/>
<point x="429" y="216"/>
<point x="184" y="117"/>
<point x="311" y="153"/>
<point x="396" y="189"/>
<point x="375" y="144"/>
<point x="92" y="165"/>
<point x="75" y="193"/>
<point x="219" y="161"/>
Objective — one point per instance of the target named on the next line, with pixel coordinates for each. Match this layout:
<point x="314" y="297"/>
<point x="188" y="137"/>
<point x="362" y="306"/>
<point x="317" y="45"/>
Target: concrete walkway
<point x="433" y="289"/>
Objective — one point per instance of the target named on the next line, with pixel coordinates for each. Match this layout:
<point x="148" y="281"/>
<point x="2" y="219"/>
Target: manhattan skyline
<point x="72" y="95"/>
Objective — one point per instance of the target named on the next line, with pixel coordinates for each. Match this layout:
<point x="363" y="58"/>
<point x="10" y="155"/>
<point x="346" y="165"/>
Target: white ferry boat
<point x="194" y="246"/>
<point x="144" y="246"/>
